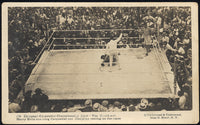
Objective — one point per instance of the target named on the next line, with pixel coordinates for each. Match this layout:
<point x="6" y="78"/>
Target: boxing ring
<point x="66" y="74"/>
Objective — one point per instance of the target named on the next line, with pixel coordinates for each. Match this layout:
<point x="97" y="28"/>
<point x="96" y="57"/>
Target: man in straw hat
<point x="96" y="107"/>
<point x="87" y="106"/>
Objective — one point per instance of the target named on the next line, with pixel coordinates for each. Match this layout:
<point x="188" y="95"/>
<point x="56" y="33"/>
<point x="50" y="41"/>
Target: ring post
<point x="175" y="76"/>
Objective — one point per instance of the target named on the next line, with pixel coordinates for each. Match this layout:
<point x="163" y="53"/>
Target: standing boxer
<point x="111" y="50"/>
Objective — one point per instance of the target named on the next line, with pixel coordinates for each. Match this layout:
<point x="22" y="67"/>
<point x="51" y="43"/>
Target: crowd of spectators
<point x="29" y="28"/>
<point x="177" y="34"/>
<point x="38" y="102"/>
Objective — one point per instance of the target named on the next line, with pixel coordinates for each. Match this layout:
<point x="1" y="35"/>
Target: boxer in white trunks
<point x="111" y="50"/>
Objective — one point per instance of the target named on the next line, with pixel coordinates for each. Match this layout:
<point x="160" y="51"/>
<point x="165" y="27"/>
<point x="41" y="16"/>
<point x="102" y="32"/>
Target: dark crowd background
<point x="30" y="27"/>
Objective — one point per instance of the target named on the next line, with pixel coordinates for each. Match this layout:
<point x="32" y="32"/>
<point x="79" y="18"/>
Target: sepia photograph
<point x="106" y="58"/>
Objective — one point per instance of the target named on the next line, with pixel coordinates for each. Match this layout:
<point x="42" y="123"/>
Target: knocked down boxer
<point x="106" y="60"/>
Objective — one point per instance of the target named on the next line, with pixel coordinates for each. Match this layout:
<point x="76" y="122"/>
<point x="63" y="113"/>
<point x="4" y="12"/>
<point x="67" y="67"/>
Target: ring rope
<point x="96" y="30"/>
<point x="160" y="57"/>
<point x="102" y="45"/>
<point x="51" y="44"/>
<point x="95" y="38"/>
<point x="156" y="55"/>
<point x="162" y="60"/>
<point x="43" y="48"/>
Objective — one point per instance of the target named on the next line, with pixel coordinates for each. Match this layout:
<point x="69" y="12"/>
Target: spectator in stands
<point x="96" y="107"/>
<point x="142" y="107"/>
<point x="165" y="40"/>
<point x="131" y="108"/>
<point x="27" y="103"/>
<point x="187" y="89"/>
<point x="158" y="106"/>
<point x="14" y="107"/>
<point x="117" y="107"/>
<point x="34" y="108"/>
<point x="78" y="107"/>
<point x="182" y="100"/>
<point x="104" y="106"/>
<point x="151" y="106"/>
<point x="88" y="106"/>
<point x="110" y="108"/>
<point x="40" y="99"/>
<point x="124" y="108"/>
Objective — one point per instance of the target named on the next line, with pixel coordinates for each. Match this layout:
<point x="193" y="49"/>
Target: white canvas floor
<point x="77" y="74"/>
